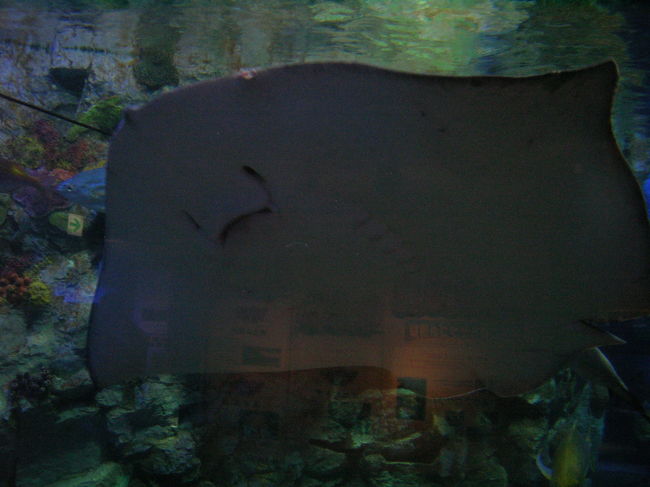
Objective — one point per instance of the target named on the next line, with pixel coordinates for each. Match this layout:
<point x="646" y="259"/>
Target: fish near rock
<point x="457" y="229"/>
<point x="571" y="460"/>
<point x="31" y="190"/>
<point x="87" y="188"/>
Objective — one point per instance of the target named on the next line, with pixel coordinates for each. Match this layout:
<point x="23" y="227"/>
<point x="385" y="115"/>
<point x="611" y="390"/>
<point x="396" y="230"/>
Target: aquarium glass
<point x="75" y="411"/>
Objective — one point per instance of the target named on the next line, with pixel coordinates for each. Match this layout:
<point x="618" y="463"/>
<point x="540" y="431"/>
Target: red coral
<point x="60" y="174"/>
<point x="50" y="139"/>
<point x="13" y="287"/>
<point x="79" y="154"/>
<point x="17" y="264"/>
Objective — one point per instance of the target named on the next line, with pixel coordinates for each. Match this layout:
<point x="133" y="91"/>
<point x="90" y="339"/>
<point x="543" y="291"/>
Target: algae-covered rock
<point x="310" y="482"/>
<point x="323" y="462"/>
<point x="104" y="115"/>
<point x="143" y="427"/>
<point x="108" y="474"/>
<point x="157" y="40"/>
<point x="173" y="456"/>
<point x="59" y="219"/>
<point x="155" y="71"/>
<point x="398" y="475"/>
<point x="331" y="12"/>
<point x="53" y="447"/>
<point x="13" y="329"/>
<point x="110" y="397"/>
<point x="27" y="151"/>
<point x="489" y="474"/>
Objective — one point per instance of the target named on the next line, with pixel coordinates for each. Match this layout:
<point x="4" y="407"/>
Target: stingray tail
<point x="593" y="365"/>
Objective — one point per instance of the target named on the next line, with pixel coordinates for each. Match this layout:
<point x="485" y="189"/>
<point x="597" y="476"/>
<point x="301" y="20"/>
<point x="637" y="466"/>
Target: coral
<point x="17" y="288"/>
<point x="80" y="154"/>
<point x="50" y="139"/>
<point x="39" y="203"/>
<point x="43" y="148"/>
<point x="60" y="174"/>
<point x="26" y="386"/>
<point x="46" y="133"/>
<point x="104" y="115"/>
<point x="39" y="264"/>
<point x="38" y="294"/>
<point x="17" y="263"/>
<point x="13" y="287"/>
<point x="76" y="156"/>
<point x="27" y="151"/>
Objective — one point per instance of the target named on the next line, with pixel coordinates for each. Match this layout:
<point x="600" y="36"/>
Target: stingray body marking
<point x="418" y="202"/>
<point x="269" y="207"/>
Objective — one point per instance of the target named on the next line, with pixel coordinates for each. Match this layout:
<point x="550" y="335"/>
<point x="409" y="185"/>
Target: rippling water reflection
<point x="431" y="36"/>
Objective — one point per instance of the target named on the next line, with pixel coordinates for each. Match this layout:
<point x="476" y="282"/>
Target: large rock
<point x="50" y="447"/>
<point x="108" y="474"/>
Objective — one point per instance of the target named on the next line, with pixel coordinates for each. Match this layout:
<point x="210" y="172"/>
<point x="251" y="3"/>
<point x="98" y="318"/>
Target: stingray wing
<point x="454" y="229"/>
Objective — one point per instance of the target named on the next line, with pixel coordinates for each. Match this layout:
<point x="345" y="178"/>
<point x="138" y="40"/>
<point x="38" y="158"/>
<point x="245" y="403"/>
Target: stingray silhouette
<point x="464" y="230"/>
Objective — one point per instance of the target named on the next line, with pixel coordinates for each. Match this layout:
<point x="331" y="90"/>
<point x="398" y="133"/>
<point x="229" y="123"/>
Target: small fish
<point x="13" y="176"/>
<point x="88" y="188"/>
<point x="570" y="460"/>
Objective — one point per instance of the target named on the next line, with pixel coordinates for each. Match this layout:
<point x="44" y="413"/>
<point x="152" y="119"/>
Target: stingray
<point x="467" y="231"/>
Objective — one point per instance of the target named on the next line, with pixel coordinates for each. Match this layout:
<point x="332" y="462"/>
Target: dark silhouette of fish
<point x="14" y="176"/>
<point x="32" y="191"/>
<point x="464" y="230"/>
<point x="571" y="459"/>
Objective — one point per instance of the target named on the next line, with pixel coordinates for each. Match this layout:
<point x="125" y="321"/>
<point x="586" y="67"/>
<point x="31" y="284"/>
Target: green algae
<point x="103" y="115"/>
<point x="59" y="219"/>
<point x="27" y="151"/>
<point x="39" y="294"/>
